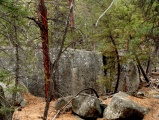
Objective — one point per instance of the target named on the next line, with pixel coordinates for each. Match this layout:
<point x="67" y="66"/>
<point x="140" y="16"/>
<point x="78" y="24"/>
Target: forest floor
<point x="35" y="108"/>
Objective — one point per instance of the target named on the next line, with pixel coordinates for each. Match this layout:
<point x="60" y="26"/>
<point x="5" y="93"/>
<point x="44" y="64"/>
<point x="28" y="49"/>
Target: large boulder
<point x="122" y="108"/>
<point x="86" y="106"/>
<point x="77" y="69"/>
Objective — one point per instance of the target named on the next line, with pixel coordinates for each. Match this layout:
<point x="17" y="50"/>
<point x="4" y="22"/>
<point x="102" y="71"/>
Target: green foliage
<point x="13" y="7"/>
<point x="106" y="82"/>
<point x="133" y="24"/>
<point x="134" y="27"/>
<point x="5" y="110"/>
<point x="3" y="74"/>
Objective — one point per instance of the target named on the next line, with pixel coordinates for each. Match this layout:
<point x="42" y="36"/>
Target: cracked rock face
<point x="86" y="106"/>
<point x="122" y="108"/>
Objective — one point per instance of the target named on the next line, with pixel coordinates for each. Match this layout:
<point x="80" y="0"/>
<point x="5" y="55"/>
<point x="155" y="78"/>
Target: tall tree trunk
<point x="16" y="45"/>
<point x="54" y="66"/>
<point x="118" y="64"/>
<point x="42" y="18"/>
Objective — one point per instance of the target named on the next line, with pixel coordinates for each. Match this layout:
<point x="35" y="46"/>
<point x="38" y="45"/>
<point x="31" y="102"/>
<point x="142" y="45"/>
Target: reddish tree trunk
<point x="42" y="17"/>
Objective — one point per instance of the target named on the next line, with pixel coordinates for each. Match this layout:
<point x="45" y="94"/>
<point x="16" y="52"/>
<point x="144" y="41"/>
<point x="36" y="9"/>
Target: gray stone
<point x="61" y="102"/>
<point x="122" y="108"/>
<point x="133" y="77"/>
<point x="23" y="103"/>
<point x="140" y="94"/>
<point x="77" y="69"/>
<point x="129" y="79"/>
<point x="8" y="87"/>
<point x="155" y="96"/>
<point x="86" y="106"/>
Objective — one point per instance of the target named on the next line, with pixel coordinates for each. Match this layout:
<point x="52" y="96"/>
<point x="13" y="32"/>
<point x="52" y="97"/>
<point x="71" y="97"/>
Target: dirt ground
<point x="35" y="107"/>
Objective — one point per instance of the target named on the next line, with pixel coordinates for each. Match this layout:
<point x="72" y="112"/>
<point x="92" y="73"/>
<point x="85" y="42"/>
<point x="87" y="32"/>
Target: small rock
<point x="140" y="94"/>
<point x="23" y="103"/>
<point x="156" y="96"/>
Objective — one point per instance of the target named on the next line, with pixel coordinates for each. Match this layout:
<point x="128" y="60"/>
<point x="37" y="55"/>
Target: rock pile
<point x="120" y="108"/>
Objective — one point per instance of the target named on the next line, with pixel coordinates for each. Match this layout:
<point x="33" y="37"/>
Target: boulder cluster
<point x="88" y="107"/>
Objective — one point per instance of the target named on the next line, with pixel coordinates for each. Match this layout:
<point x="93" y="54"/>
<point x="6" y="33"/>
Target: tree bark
<point x="42" y="18"/>
<point x="54" y="66"/>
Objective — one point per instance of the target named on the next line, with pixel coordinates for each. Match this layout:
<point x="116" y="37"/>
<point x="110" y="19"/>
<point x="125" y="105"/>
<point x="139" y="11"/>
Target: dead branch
<point x="104" y="12"/>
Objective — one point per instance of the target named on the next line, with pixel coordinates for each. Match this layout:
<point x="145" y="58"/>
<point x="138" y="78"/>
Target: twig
<point x="37" y="22"/>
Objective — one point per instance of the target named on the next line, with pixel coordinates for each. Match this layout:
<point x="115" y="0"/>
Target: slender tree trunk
<point x="104" y="64"/>
<point x="17" y="72"/>
<point x="148" y="66"/>
<point x="118" y="64"/>
<point x="16" y="45"/>
<point x="142" y="70"/>
<point x="42" y="18"/>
